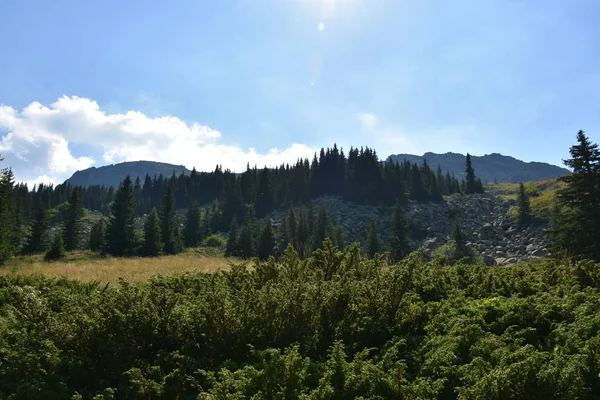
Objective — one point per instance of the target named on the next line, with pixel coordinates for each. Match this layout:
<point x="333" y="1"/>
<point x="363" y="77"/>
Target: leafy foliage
<point x="334" y="326"/>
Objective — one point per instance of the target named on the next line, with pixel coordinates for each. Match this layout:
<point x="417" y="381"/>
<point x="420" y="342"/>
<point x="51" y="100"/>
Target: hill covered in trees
<point x="490" y="168"/>
<point x="112" y="175"/>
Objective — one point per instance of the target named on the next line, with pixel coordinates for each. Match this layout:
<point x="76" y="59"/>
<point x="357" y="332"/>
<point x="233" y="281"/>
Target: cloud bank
<point x="36" y="141"/>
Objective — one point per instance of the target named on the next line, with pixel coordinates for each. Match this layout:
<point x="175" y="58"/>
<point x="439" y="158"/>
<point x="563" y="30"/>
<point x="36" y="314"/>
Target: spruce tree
<point x="169" y="226"/>
<point x="372" y="242"/>
<point x="7" y="214"/>
<point x="98" y="235"/>
<point x="152" y="235"/>
<point x="57" y="249"/>
<point x="120" y="233"/>
<point x="472" y="184"/>
<point x="36" y="242"/>
<point x="247" y="245"/>
<point x="322" y="228"/>
<point x="266" y="243"/>
<point x="524" y="209"/>
<point x="399" y="243"/>
<point x="576" y="230"/>
<point x="417" y="187"/>
<point x="232" y="248"/>
<point x="73" y="221"/>
<point x="459" y="241"/>
<point x="192" y="231"/>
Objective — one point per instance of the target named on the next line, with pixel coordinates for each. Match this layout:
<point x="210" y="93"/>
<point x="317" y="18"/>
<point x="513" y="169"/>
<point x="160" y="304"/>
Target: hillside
<point x="490" y="167"/>
<point x="112" y="175"/>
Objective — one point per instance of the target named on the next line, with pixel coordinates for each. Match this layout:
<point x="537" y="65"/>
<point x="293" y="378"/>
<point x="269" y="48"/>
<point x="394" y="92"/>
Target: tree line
<point x="359" y="177"/>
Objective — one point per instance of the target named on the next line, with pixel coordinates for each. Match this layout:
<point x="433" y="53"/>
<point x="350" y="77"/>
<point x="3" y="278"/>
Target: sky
<point x="199" y="83"/>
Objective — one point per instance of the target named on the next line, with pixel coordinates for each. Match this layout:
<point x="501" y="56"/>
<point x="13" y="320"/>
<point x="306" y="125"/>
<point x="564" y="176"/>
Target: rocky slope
<point x="490" y="167"/>
<point x="485" y="220"/>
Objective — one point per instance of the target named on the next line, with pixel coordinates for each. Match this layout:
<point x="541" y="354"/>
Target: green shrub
<point x="214" y="241"/>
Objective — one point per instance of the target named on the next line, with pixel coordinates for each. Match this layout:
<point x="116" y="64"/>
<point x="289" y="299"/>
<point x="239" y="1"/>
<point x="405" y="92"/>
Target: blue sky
<point x="91" y="82"/>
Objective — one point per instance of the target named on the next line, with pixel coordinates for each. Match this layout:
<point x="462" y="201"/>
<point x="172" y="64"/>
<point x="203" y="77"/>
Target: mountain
<point x="490" y="167"/>
<point x="112" y="175"/>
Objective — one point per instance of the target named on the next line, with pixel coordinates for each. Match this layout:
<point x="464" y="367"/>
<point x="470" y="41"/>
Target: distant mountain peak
<point x="490" y="167"/>
<point x="113" y="174"/>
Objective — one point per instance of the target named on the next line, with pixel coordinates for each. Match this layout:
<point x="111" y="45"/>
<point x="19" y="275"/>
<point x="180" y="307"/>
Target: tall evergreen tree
<point x="232" y="248"/>
<point x="459" y="241"/>
<point x="577" y="228"/>
<point x="73" y="221"/>
<point x="524" y="209"/>
<point x="152" y="235"/>
<point x="120" y="234"/>
<point x="36" y="242"/>
<point x="192" y="231"/>
<point x="170" y="228"/>
<point x="417" y="187"/>
<point x="7" y="214"/>
<point x="399" y="243"/>
<point x="266" y="243"/>
<point x="98" y="235"/>
<point x="322" y="228"/>
<point x="372" y="242"/>
<point x="472" y="183"/>
<point x="57" y="249"/>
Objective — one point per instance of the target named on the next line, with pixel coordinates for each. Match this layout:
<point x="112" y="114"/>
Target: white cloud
<point x="394" y="138"/>
<point x="368" y="121"/>
<point x="36" y="141"/>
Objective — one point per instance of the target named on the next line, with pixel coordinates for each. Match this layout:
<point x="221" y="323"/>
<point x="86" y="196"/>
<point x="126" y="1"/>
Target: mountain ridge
<point x="113" y="174"/>
<point x="493" y="167"/>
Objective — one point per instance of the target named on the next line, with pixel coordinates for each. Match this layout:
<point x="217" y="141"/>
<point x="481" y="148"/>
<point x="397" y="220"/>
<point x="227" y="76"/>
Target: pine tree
<point x="120" y="233"/>
<point x="73" y="221"/>
<point x="247" y="245"/>
<point x="98" y="235"/>
<point x="524" y="209"/>
<point x="152" y="235"/>
<point x="232" y="248"/>
<point x="7" y="214"/>
<point x="457" y="237"/>
<point x="169" y="226"/>
<point x="340" y="240"/>
<point x="266" y="244"/>
<point x="36" y="242"/>
<point x="417" y="187"/>
<point x="472" y="183"/>
<point x="372" y="241"/>
<point x="192" y="231"/>
<point x="322" y="227"/>
<point x="399" y="243"/>
<point x="57" y="249"/>
<point x="576" y="229"/>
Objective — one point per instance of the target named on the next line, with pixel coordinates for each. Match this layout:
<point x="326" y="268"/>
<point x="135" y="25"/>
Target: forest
<point x="302" y="314"/>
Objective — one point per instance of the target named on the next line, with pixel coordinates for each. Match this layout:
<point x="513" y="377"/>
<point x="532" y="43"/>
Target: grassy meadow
<point x="541" y="194"/>
<point x="86" y="266"/>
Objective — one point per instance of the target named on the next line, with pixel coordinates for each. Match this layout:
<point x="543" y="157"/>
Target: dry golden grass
<point x="86" y="266"/>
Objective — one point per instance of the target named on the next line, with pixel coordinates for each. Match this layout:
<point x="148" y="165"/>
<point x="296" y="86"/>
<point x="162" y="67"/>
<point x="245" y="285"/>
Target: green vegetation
<point x="334" y="326"/>
<point x="576" y="224"/>
<point x="541" y="194"/>
<point x="524" y="208"/>
<point x="57" y="249"/>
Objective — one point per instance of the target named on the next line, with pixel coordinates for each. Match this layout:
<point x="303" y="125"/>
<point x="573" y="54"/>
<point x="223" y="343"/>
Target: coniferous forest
<point x="307" y="316"/>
